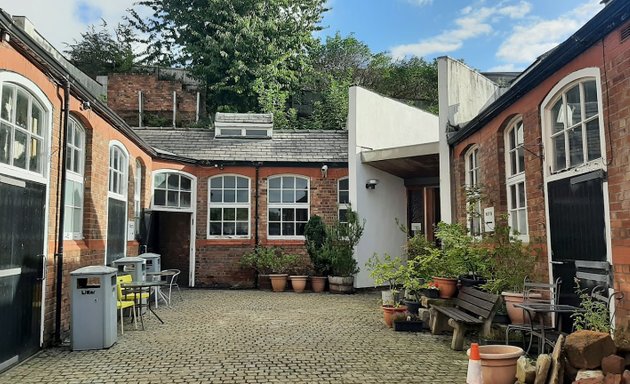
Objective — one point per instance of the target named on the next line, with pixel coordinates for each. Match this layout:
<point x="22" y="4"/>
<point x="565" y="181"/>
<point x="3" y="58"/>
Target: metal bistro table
<point x="532" y="309"/>
<point x="158" y="276"/>
<point x="137" y="287"/>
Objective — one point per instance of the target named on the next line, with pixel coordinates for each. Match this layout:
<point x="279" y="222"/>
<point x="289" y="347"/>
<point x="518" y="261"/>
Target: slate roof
<point x="285" y="146"/>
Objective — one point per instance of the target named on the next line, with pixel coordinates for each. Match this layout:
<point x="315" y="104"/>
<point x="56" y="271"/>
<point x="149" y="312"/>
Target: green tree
<point x="247" y="51"/>
<point x="100" y="52"/>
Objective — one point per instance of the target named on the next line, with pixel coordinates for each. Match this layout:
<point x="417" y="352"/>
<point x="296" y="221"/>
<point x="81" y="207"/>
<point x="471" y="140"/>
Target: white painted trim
<point x="340" y="205"/>
<point x="468" y="183"/>
<point x="10" y="272"/>
<point x="515" y="179"/>
<point x="9" y="362"/>
<point x="288" y="205"/>
<point x="247" y="205"/>
<point x="193" y="217"/>
<point x="118" y="144"/>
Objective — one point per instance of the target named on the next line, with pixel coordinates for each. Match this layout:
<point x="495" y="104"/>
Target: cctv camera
<point x="324" y="168"/>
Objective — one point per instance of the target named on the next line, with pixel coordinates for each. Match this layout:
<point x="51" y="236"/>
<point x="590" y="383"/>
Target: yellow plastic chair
<point x="122" y="303"/>
<point x="131" y="296"/>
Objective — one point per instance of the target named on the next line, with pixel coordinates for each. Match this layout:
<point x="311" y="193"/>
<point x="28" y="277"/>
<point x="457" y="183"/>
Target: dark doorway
<point x="116" y="229"/>
<point x="168" y="234"/>
<point x="423" y="210"/>
<point x="22" y="223"/>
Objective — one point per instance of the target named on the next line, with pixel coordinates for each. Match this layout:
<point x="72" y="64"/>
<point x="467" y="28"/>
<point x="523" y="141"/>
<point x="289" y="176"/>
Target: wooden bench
<point x="473" y="308"/>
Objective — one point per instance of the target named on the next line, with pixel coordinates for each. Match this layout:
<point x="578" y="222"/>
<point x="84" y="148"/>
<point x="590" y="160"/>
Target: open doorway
<point x="423" y="210"/>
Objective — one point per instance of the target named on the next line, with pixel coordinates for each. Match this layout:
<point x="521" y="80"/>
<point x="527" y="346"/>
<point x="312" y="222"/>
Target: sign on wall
<point x="488" y="219"/>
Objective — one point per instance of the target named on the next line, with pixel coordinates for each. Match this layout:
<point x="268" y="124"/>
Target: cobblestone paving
<point x="257" y="337"/>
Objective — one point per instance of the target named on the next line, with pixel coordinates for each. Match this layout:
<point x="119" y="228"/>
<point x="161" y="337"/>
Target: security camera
<point x="324" y="168"/>
<point x="86" y="105"/>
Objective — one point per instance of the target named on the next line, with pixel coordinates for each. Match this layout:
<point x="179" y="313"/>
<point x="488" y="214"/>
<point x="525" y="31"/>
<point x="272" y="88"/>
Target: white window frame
<point x="137" y="197"/>
<point x="516" y="179"/>
<point x="288" y="205"/>
<point x="232" y="205"/>
<point x="342" y="206"/>
<point x="121" y="173"/>
<point x="177" y="208"/>
<point x="472" y="169"/>
<point x="34" y="95"/>
<point x="75" y="177"/>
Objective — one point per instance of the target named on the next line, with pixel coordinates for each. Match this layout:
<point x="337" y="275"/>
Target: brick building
<point x="551" y="150"/>
<point x="76" y="182"/>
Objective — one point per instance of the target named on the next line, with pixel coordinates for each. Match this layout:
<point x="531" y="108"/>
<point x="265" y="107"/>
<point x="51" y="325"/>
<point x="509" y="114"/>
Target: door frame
<point x="598" y="164"/>
<point x="193" y="217"/>
<point x="116" y="143"/>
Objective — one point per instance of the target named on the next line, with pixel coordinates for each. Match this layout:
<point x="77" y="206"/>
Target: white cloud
<point x="472" y="23"/>
<point x="505" y="68"/>
<point x="60" y="21"/>
<point x="420" y="3"/>
<point x="528" y="41"/>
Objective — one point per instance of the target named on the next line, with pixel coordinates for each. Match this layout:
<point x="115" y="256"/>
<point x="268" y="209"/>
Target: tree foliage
<point x="100" y="52"/>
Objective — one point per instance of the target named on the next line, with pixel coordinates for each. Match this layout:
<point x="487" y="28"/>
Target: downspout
<point x="256" y="219"/>
<point x="63" y="138"/>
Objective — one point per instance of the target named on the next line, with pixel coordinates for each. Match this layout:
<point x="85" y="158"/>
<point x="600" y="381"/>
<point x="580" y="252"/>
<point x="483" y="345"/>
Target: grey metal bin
<point x="134" y="266"/>
<point x="93" y="307"/>
<point x="153" y="262"/>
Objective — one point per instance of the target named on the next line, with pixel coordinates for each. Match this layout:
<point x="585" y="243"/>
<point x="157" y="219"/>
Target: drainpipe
<point x="256" y="207"/>
<point x="63" y="138"/>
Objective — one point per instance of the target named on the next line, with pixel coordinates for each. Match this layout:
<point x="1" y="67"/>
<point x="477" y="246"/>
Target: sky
<point x="499" y="35"/>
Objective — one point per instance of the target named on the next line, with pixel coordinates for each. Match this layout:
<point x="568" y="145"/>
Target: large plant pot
<point x="388" y="297"/>
<point x="516" y="315"/>
<point x="498" y="363"/>
<point x="412" y="306"/>
<point x="278" y="282"/>
<point x="264" y="283"/>
<point x="389" y="311"/>
<point x="298" y="283"/>
<point x="341" y="284"/>
<point x="447" y="286"/>
<point x="318" y="283"/>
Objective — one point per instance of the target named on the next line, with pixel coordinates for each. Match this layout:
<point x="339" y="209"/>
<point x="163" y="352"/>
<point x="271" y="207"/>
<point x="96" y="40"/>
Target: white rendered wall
<point x="377" y="122"/>
<point x="463" y="93"/>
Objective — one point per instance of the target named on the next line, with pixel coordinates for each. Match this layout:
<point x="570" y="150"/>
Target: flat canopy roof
<point x="408" y="162"/>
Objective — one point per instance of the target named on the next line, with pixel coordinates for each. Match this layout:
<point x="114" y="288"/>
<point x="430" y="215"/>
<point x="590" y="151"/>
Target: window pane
<point x="36" y="119"/>
<point x="21" y="109"/>
<point x="521" y="195"/>
<point x="557" y="117"/>
<point x="229" y="182"/>
<point x="513" y="170"/>
<point x="514" y="221"/>
<point x="242" y="214"/>
<point x="512" y="196"/>
<point x="576" y="150"/>
<point x="114" y="180"/>
<point x="229" y="229"/>
<point x="301" y="214"/>
<point x="511" y="142"/>
<point x="77" y="195"/>
<point x="159" y="198"/>
<point x="301" y="196"/>
<point x="592" y="137"/>
<point x="288" y="182"/>
<point x="35" y="155"/>
<point x="19" y="149"/>
<point x="173" y="182"/>
<point x="299" y="229"/>
<point x="242" y="196"/>
<point x="76" y="163"/>
<point x="590" y="98"/>
<point x="301" y="183"/>
<point x="519" y="133"/>
<point x="559" y="158"/>
<point x="242" y="229"/>
<point x="573" y="108"/>
<point x="78" y="138"/>
<point x="343" y="184"/>
<point x="215" y="214"/>
<point x="522" y="221"/>
<point x="288" y="214"/>
<point x="185" y="183"/>
<point x="67" y="223"/>
<point x="229" y="214"/>
<point x="274" y="182"/>
<point x="173" y="199"/>
<point x="76" y="220"/>
<point x="5" y="143"/>
<point x="274" y="229"/>
<point x="68" y="195"/>
<point x="229" y="196"/>
<point x="288" y="196"/>
<point x="344" y="197"/>
<point x="7" y="102"/>
<point x="216" y="196"/>
<point x="343" y="215"/>
<point x="274" y="214"/>
<point x="184" y="199"/>
<point x="160" y="180"/>
<point x="274" y="196"/>
<point x="216" y="182"/>
<point x="288" y="229"/>
<point x="215" y="229"/>
<point x="241" y="182"/>
<point x="521" y="159"/>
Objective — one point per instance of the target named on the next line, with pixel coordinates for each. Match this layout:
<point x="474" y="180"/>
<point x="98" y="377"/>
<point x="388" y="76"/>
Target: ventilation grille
<point x="625" y="32"/>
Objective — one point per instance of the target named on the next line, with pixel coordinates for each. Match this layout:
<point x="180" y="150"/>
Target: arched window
<point x="23" y="122"/>
<point x="229" y="207"/>
<point x="117" y="202"/>
<point x="288" y="206"/>
<point x="574" y="125"/>
<point x="343" y="199"/>
<point x="75" y="167"/>
<point x="515" y="177"/>
<point x="172" y="190"/>
<point x="137" y="197"/>
<point x="117" y="172"/>
<point x="472" y="185"/>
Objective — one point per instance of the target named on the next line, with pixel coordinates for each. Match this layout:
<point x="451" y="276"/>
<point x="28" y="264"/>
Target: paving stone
<point x="217" y="336"/>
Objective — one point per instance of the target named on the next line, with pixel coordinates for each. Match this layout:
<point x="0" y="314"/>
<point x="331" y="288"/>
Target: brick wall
<point x="122" y="97"/>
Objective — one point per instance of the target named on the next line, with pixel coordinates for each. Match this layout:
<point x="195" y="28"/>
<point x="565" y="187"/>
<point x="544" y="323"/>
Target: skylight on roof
<point x="243" y="125"/>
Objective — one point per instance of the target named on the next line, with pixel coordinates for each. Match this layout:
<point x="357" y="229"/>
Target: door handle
<point x="557" y="262"/>
<point x="44" y="272"/>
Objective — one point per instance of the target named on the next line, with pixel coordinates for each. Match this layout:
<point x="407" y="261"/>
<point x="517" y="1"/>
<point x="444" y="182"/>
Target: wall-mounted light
<point x="324" y="171"/>
<point x="4" y="36"/>
<point x="371" y="183"/>
<point x="85" y="105"/>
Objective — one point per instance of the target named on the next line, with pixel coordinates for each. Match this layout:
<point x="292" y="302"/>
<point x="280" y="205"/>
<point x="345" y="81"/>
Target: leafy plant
<point x="595" y="315"/>
<point x="268" y="260"/>
<point x="461" y="251"/>
<point x="316" y="237"/>
<point x="390" y="270"/>
<point x="341" y="239"/>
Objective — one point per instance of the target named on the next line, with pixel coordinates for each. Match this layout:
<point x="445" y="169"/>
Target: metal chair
<point x="537" y="293"/>
<point x="122" y="303"/>
<point x="170" y="276"/>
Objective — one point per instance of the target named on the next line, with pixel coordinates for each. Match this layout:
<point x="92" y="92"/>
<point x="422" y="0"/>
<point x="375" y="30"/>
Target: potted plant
<point x="407" y="322"/>
<point x="414" y="275"/>
<point x="300" y="271"/>
<point x="388" y="270"/>
<point x="260" y="259"/>
<point x="280" y="263"/>
<point x="510" y="262"/>
<point x="341" y="240"/>
<point x="315" y="234"/>
<point x="430" y="290"/>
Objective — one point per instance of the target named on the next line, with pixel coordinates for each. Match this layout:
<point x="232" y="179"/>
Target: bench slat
<point x="485" y="305"/>
<point x="458" y="315"/>
<point x="480" y="294"/>
<point x="472" y="308"/>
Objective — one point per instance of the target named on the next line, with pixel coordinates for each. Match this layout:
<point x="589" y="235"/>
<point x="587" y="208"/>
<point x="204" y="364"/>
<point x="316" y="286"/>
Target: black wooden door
<point x="116" y="227"/>
<point x="577" y="228"/>
<point x="22" y="221"/>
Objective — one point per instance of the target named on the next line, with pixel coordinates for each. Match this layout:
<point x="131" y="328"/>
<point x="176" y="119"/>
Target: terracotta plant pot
<point x="341" y="284"/>
<point x="278" y="282"/>
<point x="389" y="311"/>
<point x="298" y="283"/>
<point x="498" y="363"/>
<point x="516" y="315"/>
<point x="318" y="283"/>
<point x="447" y="286"/>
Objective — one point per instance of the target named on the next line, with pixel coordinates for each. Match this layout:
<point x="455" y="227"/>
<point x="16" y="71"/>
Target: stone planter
<point x="298" y="283"/>
<point x="318" y="283"/>
<point x="498" y="363"/>
<point x="278" y="282"/>
<point x="341" y="284"/>
<point x="389" y="311"/>
<point x="447" y="286"/>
